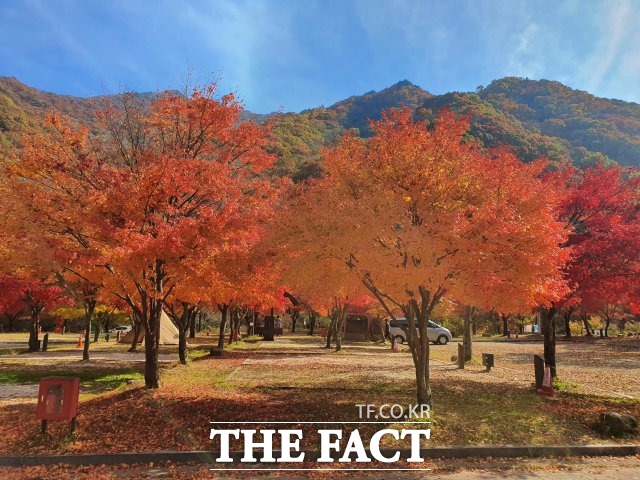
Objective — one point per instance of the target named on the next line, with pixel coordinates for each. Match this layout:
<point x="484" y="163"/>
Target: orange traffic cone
<point x="80" y="342"/>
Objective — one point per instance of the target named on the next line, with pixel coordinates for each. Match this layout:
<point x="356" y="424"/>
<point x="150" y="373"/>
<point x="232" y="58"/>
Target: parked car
<point x="123" y="329"/>
<point x="398" y="329"/>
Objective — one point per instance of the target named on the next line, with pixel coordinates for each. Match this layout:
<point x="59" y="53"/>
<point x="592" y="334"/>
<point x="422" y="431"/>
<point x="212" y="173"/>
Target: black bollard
<point x="488" y="361"/>
<point x="45" y="342"/>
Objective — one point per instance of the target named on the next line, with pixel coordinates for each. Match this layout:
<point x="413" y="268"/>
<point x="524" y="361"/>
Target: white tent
<point x="168" y="332"/>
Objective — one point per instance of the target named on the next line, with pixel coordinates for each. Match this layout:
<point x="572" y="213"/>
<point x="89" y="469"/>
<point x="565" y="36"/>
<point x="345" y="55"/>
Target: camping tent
<point x="168" y="332"/>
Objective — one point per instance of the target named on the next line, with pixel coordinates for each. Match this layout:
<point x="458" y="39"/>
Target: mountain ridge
<point x="534" y="117"/>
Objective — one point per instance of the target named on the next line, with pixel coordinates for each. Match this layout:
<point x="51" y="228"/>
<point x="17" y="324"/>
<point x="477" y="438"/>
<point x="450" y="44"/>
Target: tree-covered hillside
<point x="541" y="117"/>
<point x="534" y="117"/>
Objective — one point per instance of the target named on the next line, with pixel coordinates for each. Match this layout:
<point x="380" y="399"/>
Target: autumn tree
<point x="600" y="207"/>
<point x="11" y="304"/>
<point x="518" y="201"/>
<point x="603" y="209"/>
<point x="415" y="213"/>
<point x="36" y="296"/>
<point x="167" y="185"/>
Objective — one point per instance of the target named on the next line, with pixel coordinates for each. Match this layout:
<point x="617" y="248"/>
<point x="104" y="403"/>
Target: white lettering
<point x="266" y="445"/>
<point x="326" y="445"/>
<point x="287" y="445"/>
<point x="355" y="445"/>
<point x="374" y="446"/>
<point x="415" y="442"/>
<point x="224" y="442"/>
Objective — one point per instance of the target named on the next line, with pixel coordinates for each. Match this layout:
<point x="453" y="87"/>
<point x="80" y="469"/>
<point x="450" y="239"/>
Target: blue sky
<point x="294" y="54"/>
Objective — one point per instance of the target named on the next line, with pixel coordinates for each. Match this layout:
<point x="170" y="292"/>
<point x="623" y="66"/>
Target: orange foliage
<point x="418" y="207"/>
<point x="159" y="201"/>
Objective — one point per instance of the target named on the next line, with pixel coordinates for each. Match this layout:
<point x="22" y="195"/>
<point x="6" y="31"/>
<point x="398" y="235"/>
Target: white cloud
<point x="611" y="44"/>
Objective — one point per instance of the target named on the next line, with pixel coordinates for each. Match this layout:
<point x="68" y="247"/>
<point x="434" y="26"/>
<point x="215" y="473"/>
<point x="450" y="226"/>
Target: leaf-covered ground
<point x="294" y="379"/>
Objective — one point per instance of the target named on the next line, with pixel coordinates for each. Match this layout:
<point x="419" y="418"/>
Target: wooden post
<point x="460" y="355"/>
<point x="538" y="365"/>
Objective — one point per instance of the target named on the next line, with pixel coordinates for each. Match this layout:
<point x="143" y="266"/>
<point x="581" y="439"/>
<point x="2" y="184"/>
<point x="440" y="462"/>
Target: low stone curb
<point x="205" y="457"/>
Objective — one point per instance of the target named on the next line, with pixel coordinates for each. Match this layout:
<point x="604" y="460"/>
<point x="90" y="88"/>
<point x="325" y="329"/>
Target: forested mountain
<point x="299" y="137"/>
<point x="22" y="107"/>
<point x="535" y="117"/>
<point x="547" y="118"/>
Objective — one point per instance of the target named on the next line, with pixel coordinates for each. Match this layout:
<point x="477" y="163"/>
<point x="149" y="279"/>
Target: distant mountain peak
<point x="404" y="83"/>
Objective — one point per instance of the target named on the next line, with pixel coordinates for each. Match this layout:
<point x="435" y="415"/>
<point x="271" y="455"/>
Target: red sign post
<point x="58" y="400"/>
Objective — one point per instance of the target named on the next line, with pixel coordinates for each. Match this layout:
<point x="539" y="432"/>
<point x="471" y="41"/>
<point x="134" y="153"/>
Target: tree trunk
<point x="469" y="313"/>
<point x="137" y="329"/>
<point x="33" y="330"/>
<point x="152" y="345"/>
<point x="89" y="307"/>
<point x="183" y="320"/>
<point x="151" y="348"/>
<point x="417" y="337"/>
<point x="330" y="330"/>
<point x="549" y="330"/>
<point x="234" y="324"/>
<point x="505" y="325"/>
<point x="192" y="326"/>
<point x="339" y="325"/>
<point x="423" y="385"/>
<point x="312" y="321"/>
<point x="608" y="312"/>
<point x="585" y="320"/>
<point x="182" y="345"/>
<point x="256" y="316"/>
<point x="420" y="313"/>
<point x="152" y="310"/>
<point x="96" y="334"/>
<point x="224" y="308"/>
<point x="567" y="321"/>
<point x="107" y="321"/>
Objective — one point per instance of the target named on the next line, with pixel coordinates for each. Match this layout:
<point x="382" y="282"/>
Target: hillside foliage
<point x="536" y="118"/>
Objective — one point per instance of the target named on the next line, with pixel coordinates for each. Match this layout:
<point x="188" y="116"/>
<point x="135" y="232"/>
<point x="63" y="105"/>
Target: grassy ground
<point x="295" y="379"/>
<point x="93" y="379"/>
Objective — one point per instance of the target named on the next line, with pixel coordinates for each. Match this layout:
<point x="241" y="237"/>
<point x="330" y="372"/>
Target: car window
<point x="433" y="325"/>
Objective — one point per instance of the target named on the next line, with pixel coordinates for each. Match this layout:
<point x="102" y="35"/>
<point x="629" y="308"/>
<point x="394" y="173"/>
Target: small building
<point x="356" y="327"/>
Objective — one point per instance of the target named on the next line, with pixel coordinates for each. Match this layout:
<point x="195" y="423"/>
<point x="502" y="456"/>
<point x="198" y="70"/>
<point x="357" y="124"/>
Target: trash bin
<point x="58" y="400"/>
<point x="487" y="361"/>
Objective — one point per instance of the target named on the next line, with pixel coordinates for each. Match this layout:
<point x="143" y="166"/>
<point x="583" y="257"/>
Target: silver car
<point x="436" y="333"/>
<point x="123" y="329"/>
